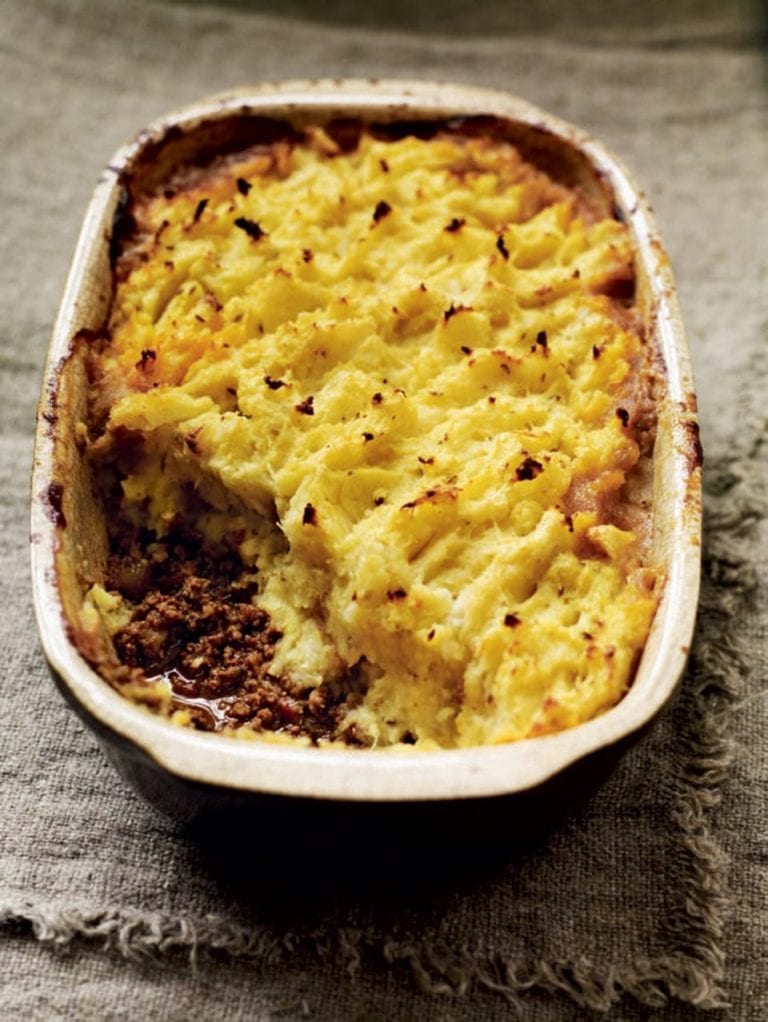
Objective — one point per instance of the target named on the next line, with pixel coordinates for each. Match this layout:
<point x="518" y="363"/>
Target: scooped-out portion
<point x="373" y="424"/>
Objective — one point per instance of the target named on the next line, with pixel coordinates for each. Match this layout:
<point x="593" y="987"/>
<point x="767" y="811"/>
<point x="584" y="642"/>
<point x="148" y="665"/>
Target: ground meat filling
<point x="194" y="624"/>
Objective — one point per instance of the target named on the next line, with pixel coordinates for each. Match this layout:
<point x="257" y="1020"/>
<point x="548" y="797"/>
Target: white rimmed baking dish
<point x="182" y="770"/>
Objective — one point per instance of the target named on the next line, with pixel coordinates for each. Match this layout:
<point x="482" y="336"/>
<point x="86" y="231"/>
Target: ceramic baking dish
<point x="182" y="770"/>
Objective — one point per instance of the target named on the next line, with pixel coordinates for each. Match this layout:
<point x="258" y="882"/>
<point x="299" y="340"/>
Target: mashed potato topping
<point x="400" y="384"/>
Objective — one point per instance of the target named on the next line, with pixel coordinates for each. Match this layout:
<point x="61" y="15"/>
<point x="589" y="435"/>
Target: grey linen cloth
<point x="647" y="902"/>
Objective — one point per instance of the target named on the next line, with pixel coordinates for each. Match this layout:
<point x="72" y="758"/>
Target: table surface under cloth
<point x="647" y="903"/>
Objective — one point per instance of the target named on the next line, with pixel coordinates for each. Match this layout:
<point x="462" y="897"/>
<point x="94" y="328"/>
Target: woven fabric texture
<point x="646" y="902"/>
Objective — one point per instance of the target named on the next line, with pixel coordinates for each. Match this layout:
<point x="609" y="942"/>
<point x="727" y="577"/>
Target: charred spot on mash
<point x="431" y="496"/>
<point x="309" y="516"/>
<point x="147" y="355"/>
<point x="452" y="310"/>
<point x="251" y="228"/>
<point x="541" y="342"/>
<point x="596" y="352"/>
<point x="382" y="209"/>
<point x="396" y="594"/>
<point x="210" y="299"/>
<point x="191" y="440"/>
<point x="501" y="246"/>
<point x="243" y="186"/>
<point x="504" y="359"/>
<point x="307" y="255"/>
<point x="455" y="225"/>
<point x="306" y="406"/>
<point x="512" y="620"/>
<point x="199" y="210"/>
<point x="367" y="437"/>
<point x="164" y="225"/>
<point x="623" y="416"/>
<point x="528" y="469"/>
<point x="274" y="384"/>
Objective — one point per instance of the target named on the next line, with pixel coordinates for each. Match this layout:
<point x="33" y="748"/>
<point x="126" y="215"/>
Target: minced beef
<point x="194" y="623"/>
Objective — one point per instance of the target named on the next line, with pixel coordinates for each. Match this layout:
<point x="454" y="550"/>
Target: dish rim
<point x="384" y="775"/>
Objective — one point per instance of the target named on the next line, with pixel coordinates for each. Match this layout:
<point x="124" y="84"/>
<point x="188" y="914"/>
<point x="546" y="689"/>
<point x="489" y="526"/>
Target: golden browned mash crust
<point x="371" y="422"/>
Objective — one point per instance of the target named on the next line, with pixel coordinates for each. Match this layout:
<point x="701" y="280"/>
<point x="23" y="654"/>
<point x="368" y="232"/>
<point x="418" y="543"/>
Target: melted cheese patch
<point x="396" y="371"/>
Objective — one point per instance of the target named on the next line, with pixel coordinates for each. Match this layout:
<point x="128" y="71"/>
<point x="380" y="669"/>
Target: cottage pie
<point x="372" y="420"/>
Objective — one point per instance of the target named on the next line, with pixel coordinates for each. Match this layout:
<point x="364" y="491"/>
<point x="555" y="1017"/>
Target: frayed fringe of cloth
<point x="693" y="971"/>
